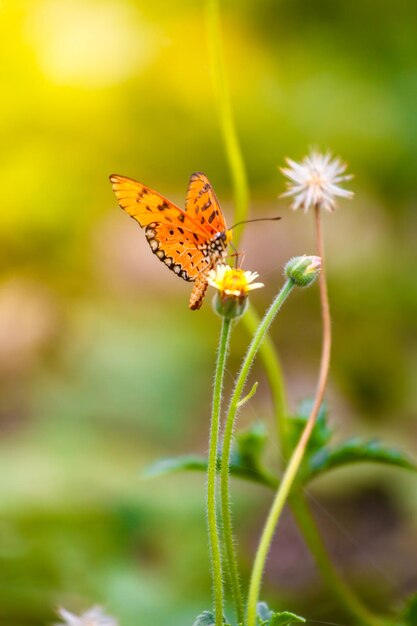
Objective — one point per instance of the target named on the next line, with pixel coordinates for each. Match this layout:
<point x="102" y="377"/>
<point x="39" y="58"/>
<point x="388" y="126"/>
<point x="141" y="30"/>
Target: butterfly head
<point x="228" y="236"/>
<point x="221" y="240"/>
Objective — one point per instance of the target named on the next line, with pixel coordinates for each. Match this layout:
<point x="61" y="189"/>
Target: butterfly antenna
<point x="258" y="219"/>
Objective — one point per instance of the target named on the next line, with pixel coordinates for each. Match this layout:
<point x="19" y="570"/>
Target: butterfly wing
<point x="173" y="235"/>
<point x="202" y="204"/>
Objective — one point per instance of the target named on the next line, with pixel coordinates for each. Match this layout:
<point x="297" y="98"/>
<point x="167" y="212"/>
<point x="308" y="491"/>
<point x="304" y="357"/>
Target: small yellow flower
<point x="233" y="286"/>
<point x="231" y="281"/>
<point x="316" y="181"/>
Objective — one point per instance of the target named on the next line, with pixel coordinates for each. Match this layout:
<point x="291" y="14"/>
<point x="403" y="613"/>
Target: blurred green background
<point x="102" y="366"/>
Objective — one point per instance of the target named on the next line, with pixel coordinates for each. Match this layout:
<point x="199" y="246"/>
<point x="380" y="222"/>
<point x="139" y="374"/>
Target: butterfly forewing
<point x="146" y="205"/>
<point x="203" y="206"/>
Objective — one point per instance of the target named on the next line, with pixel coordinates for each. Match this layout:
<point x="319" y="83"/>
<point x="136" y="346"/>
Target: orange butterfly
<point x="189" y="242"/>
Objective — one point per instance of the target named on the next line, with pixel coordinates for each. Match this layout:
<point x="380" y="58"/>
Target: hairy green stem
<point x="227" y="441"/>
<point x="227" y="123"/>
<point x="213" y="532"/>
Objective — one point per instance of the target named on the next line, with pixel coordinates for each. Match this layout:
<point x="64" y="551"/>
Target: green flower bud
<point x="230" y="306"/>
<point x="303" y="270"/>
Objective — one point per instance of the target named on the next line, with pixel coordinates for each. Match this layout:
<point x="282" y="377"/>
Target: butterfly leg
<point x="239" y="258"/>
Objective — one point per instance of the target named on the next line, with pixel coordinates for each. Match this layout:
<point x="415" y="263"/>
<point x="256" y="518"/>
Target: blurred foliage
<point x="103" y="368"/>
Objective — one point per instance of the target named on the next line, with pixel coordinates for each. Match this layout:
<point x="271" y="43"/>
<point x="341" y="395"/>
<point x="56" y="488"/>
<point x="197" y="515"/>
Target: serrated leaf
<point x="321" y="434"/>
<point x="285" y="619"/>
<point x="266" y="617"/>
<point x="194" y="462"/>
<point x="357" y="450"/>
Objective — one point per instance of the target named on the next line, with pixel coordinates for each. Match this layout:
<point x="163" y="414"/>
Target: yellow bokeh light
<point x="85" y="44"/>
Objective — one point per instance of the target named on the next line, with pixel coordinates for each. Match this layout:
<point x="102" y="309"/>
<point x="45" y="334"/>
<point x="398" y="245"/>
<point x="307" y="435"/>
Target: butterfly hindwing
<point x="177" y="248"/>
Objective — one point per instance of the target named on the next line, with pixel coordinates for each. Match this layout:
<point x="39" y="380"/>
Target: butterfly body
<point x="189" y="242"/>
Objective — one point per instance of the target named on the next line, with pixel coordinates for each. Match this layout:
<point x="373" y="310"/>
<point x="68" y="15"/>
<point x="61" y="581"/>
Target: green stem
<point x="227" y="442"/>
<point x="224" y="106"/>
<point x="214" y="542"/>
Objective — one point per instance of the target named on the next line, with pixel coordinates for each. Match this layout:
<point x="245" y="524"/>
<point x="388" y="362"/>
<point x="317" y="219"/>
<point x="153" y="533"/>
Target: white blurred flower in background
<point x="315" y="181"/>
<point x="92" y="617"/>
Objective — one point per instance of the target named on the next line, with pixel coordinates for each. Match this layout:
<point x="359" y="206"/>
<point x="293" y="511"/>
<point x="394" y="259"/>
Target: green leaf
<point x="410" y="612"/>
<point x="240" y="468"/>
<point x="357" y="450"/>
<point x="321" y="434"/>
<point x="250" y="447"/>
<point x="285" y="619"/>
<point x="266" y="617"/>
<point x="320" y="457"/>
<point x="175" y="464"/>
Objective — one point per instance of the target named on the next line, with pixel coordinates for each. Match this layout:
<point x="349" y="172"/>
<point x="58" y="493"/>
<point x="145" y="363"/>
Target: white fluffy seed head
<point x="315" y="181"/>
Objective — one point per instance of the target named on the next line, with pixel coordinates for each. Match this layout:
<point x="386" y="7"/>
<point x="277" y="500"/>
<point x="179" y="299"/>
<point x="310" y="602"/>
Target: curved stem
<point x="297" y="502"/>
<point x="227" y="441"/>
<point x="212" y="471"/>
<point x="227" y="124"/>
<point x="326" y="321"/>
